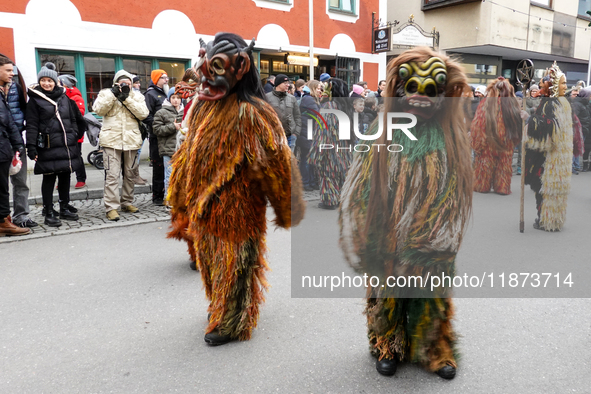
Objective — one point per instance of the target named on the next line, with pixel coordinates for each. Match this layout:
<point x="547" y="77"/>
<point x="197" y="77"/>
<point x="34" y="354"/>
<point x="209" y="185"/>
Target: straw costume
<point x="403" y="214"/>
<point x="235" y="158"/>
<point x="549" y="152"/>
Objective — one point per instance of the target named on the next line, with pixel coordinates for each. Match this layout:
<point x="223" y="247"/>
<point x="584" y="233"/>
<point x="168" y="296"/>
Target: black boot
<point x="386" y="366"/>
<point x="447" y="372"/>
<point x="66" y="213"/>
<point x="54" y="211"/>
<point x="215" y="339"/>
<point x="70" y="207"/>
<point x="51" y="218"/>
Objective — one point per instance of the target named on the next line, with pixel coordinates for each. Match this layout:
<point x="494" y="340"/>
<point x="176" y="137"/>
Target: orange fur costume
<point x="235" y="157"/>
<point x="495" y="131"/>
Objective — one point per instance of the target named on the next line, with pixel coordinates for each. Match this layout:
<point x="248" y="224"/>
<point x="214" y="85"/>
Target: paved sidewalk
<point x="95" y="180"/>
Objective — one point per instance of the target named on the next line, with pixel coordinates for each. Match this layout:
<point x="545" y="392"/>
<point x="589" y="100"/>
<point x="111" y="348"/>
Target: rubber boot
<point x="51" y="218"/>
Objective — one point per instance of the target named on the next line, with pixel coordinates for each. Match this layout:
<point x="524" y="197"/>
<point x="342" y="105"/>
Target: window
<point x="96" y="71"/>
<point x="348" y="70"/>
<point x="64" y="63"/>
<point x="141" y="68"/>
<point x="543" y="3"/>
<point x="174" y="70"/>
<point x="430" y="4"/>
<point x="584" y="6"/>
<point x="100" y="72"/>
<point x="346" y="6"/>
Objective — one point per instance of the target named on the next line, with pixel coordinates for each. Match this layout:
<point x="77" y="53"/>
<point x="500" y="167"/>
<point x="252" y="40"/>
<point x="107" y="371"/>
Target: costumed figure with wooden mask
<point x="234" y="160"/>
<point x="403" y="214"/>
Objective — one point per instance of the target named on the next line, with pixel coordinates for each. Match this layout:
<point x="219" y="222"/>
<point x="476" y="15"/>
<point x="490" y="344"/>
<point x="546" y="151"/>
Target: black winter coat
<point x="10" y="137"/>
<point x="155" y="96"/>
<point x="579" y="106"/>
<point x="60" y="138"/>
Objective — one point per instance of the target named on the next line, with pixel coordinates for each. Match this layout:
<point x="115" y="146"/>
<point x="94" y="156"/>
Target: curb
<point x="89" y="194"/>
<point x="82" y="230"/>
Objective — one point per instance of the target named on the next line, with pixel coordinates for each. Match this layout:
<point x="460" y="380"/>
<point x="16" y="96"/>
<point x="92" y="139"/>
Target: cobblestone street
<point x="92" y="217"/>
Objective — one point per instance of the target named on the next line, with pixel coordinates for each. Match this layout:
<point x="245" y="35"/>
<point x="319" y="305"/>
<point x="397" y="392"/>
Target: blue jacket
<point x="17" y="105"/>
<point x="10" y="138"/>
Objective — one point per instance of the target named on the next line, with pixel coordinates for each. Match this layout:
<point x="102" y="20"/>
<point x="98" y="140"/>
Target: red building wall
<point x="370" y="75"/>
<point x="238" y="16"/>
<point x="7" y="42"/>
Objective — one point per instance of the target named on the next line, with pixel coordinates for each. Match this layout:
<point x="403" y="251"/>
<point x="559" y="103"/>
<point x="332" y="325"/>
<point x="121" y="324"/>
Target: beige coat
<point x="120" y="130"/>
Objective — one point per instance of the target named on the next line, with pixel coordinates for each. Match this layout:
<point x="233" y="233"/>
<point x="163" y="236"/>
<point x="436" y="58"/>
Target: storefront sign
<point x="410" y="37"/>
<point x="381" y="39"/>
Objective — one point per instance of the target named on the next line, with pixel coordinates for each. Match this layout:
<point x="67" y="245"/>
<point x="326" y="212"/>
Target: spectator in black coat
<point x="270" y="85"/>
<point x="155" y="96"/>
<point x="54" y="126"/>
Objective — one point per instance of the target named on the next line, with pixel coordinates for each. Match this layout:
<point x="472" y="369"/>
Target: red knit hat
<point x="156" y="74"/>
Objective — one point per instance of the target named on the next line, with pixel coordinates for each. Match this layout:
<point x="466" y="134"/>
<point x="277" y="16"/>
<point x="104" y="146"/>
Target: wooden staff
<point x="523" y="140"/>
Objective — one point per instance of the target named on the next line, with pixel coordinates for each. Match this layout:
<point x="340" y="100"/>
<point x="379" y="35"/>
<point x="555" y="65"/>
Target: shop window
<point x="140" y="67"/>
<point x="543" y="3"/>
<point x="174" y="70"/>
<point x="346" y="6"/>
<point x="584" y="6"/>
<point x="64" y="63"/>
<point x="100" y="72"/>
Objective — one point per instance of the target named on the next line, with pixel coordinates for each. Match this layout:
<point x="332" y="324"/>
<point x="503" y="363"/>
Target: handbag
<point x="143" y="128"/>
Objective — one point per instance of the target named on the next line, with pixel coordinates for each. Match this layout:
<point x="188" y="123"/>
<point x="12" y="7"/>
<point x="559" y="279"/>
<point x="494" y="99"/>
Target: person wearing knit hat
<point x="68" y="81"/>
<point x="324" y="77"/>
<point x="48" y="70"/>
<point x="287" y="109"/>
<point x="281" y="78"/>
<point x="52" y="144"/>
<point x="122" y="110"/>
<point x="137" y="84"/>
<point x="480" y="91"/>
<point x="358" y="91"/>
<point x="156" y="75"/>
<point x="155" y="96"/>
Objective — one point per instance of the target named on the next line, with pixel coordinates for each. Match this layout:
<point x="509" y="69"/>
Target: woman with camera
<point x="54" y="125"/>
<point x="122" y="110"/>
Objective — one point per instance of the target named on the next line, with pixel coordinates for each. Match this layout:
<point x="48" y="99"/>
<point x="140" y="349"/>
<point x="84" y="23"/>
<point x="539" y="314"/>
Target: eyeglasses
<point x="163" y="77"/>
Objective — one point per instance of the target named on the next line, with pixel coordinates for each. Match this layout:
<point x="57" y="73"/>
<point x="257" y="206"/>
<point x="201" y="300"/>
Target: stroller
<point x="94" y="128"/>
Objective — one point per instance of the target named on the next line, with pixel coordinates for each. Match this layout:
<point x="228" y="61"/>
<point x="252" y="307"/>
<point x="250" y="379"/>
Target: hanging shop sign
<point x="381" y="39"/>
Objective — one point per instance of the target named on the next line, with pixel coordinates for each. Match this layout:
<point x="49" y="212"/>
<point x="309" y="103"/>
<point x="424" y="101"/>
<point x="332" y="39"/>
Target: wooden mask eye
<point x="218" y="66"/>
<point x="404" y="72"/>
<point x="441" y="78"/>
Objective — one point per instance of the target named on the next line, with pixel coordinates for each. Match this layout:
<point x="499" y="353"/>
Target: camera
<point x="125" y="88"/>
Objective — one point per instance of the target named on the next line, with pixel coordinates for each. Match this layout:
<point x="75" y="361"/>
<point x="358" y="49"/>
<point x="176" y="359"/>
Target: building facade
<point x="492" y="36"/>
<point x="92" y="40"/>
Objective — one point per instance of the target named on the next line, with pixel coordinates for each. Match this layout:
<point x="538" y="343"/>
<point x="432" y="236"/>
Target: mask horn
<point x="250" y="47"/>
<point x="202" y="43"/>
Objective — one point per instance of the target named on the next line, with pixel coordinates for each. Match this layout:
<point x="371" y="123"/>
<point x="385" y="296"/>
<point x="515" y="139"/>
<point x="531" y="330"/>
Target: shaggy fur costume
<point x="549" y="160"/>
<point x="495" y="130"/>
<point x="403" y="214"/>
<point x="235" y="159"/>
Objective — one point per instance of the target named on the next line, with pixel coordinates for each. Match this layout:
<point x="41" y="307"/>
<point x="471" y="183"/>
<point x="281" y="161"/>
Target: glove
<point x="122" y="96"/>
<point x="31" y="152"/>
<point x="19" y="148"/>
<point x="116" y="90"/>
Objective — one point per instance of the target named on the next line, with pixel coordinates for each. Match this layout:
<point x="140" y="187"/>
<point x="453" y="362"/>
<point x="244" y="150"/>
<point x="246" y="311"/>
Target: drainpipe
<point x="311" y="23"/>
